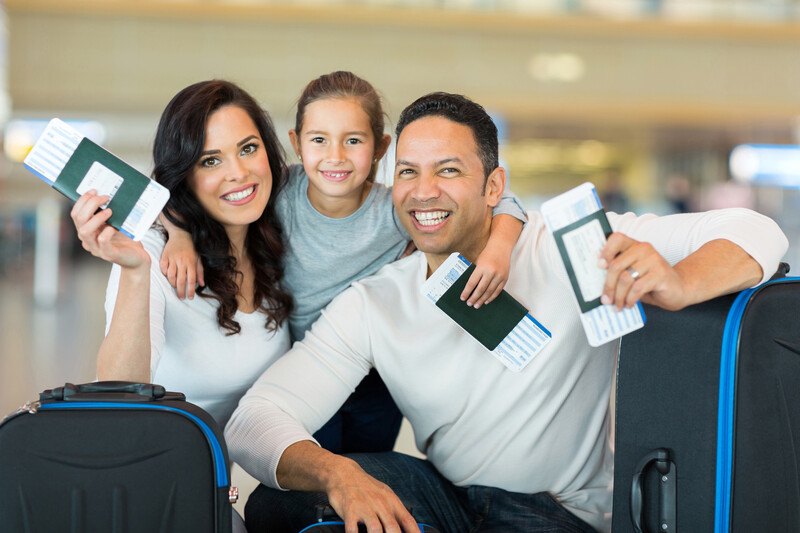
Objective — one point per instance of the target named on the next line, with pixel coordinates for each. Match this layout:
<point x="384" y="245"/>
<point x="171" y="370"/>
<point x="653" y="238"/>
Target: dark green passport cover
<point x="79" y="164"/>
<point x="490" y="323"/>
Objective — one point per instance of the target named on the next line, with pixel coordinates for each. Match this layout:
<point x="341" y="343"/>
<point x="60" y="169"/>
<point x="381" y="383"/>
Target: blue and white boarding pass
<point x="504" y="327"/>
<point x="580" y="228"/>
<point x="55" y="159"/>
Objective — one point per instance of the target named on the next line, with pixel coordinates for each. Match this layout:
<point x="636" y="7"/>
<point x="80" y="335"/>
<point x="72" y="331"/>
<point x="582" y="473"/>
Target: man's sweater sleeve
<point x="677" y="236"/>
<point x="302" y="390"/>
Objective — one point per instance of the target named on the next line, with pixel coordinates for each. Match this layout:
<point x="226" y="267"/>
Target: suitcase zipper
<point x="29" y="407"/>
<point x="726" y="412"/>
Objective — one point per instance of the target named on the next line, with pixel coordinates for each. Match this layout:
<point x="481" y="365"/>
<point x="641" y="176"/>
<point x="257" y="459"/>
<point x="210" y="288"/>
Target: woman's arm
<point x="125" y="352"/>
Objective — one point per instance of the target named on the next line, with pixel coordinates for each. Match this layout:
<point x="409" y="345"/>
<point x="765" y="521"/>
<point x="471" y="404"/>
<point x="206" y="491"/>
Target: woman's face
<point x="232" y="179"/>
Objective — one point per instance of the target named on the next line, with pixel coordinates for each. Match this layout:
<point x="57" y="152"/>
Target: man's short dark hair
<point x="462" y="110"/>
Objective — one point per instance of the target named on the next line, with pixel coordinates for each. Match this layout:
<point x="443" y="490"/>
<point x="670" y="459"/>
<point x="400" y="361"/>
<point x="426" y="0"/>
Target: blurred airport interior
<point x="648" y="99"/>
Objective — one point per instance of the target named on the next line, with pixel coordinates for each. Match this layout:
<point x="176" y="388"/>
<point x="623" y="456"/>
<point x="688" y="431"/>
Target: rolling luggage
<point x="708" y="413"/>
<point x="113" y="457"/>
<point x="329" y="522"/>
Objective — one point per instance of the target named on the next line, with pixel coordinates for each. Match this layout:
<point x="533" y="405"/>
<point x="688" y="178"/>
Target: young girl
<point x="340" y="226"/>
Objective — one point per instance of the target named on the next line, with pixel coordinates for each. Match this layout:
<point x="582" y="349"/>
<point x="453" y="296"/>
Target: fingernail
<point x="477" y="306"/>
<point x="605" y="300"/>
<point x="602" y="263"/>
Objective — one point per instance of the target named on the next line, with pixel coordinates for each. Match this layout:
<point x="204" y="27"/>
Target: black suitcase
<point x="329" y="522"/>
<point x="708" y="417"/>
<point x="113" y="457"/>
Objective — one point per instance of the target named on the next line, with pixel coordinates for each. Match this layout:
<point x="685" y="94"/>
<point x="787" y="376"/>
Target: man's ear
<point x="495" y="185"/>
<point x="295" y="143"/>
<point x="381" y="146"/>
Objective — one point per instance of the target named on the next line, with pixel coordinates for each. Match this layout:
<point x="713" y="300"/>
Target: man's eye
<point x="405" y="172"/>
<point x="449" y="171"/>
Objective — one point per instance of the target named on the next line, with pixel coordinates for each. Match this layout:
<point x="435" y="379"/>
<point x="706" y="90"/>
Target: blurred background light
<point x="21" y="134"/>
<point x="763" y="164"/>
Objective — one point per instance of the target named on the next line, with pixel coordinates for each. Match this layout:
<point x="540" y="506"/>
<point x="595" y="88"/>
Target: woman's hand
<point x="102" y="240"/>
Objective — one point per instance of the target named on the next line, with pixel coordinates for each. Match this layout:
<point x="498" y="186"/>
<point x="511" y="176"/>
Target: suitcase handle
<point x="70" y="391"/>
<point x="666" y="493"/>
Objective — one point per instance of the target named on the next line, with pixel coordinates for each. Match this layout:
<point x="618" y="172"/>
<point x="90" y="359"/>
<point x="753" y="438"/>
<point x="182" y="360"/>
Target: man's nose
<point x="427" y="188"/>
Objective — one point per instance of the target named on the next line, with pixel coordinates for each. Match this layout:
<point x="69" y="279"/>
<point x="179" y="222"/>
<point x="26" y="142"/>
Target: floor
<point x="44" y="346"/>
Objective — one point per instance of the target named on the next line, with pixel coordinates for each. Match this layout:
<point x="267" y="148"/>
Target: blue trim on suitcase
<point x="340" y="523"/>
<point x="220" y="466"/>
<point x="727" y="403"/>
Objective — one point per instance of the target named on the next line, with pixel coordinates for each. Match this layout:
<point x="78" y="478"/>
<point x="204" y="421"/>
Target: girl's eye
<point x="249" y="148"/>
<point x="317" y="140"/>
<point x="353" y="141"/>
<point x="209" y="162"/>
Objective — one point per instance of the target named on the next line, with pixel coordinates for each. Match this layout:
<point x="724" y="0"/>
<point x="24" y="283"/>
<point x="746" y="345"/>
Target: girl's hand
<point x="102" y="240"/>
<point x="488" y="278"/>
<point x="181" y="264"/>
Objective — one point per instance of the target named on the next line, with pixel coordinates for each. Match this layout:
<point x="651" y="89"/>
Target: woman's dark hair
<point x="462" y="110"/>
<point x="178" y="144"/>
<point x="343" y="85"/>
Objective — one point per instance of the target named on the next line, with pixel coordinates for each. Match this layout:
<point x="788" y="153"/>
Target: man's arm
<point x="713" y="253"/>
<point x="269" y="433"/>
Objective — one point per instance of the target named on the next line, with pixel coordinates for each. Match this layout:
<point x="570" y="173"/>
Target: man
<point x="506" y="451"/>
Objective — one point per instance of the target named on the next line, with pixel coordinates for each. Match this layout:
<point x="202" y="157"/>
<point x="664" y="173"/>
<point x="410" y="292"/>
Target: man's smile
<point x="430" y="219"/>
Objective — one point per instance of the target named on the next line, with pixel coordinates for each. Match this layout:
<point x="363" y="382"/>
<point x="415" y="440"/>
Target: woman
<point x="217" y="153"/>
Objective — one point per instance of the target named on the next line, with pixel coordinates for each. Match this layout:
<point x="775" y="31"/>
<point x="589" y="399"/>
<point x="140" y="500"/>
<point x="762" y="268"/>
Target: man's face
<point x="438" y="189"/>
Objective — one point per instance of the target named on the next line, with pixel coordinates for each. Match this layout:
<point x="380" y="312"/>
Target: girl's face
<point x="337" y="148"/>
<point x="232" y="179"/>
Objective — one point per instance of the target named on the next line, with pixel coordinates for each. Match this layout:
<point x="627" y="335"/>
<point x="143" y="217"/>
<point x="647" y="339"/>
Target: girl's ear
<point x="382" y="146"/>
<point x="295" y="143"/>
<point x="495" y="185"/>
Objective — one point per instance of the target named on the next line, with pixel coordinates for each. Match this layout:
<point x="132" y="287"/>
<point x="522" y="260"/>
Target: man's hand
<point x="359" y="498"/>
<point x="355" y="495"/>
<point x="636" y="271"/>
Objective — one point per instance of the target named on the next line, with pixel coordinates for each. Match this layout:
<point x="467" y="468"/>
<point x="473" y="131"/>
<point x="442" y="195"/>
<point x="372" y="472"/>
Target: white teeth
<point x="241" y="195"/>
<point x="430" y="218"/>
<point x="336" y="175"/>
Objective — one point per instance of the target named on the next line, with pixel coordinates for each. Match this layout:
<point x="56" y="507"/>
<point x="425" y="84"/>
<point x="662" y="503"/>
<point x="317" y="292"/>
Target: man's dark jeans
<point x="432" y="499"/>
<point x="368" y="422"/>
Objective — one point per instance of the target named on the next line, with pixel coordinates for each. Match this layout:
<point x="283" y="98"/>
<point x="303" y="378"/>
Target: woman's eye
<point x="209" y="162"/>
<point x="249" y="148"/>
